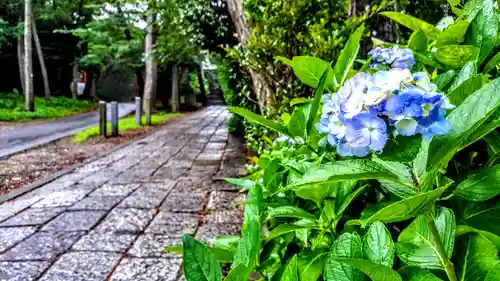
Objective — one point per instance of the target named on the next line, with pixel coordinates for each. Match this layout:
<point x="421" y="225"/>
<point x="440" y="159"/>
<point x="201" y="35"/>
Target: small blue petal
<point x="378" y="140"/>
<point x="332" y="140"/>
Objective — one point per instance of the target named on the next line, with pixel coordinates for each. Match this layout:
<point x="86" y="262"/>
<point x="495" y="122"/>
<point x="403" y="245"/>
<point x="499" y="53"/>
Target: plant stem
<point x="448" y="265"/>
<point x="447" y="197"/>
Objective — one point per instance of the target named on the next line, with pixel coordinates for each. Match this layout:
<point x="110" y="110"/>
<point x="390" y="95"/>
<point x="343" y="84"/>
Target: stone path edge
<point x="13" y="194"/>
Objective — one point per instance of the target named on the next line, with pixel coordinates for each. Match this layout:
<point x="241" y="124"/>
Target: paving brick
<point x="224" y="200"/>
<point x="153" y="246"/>
<point x="104" y="203"/>
<point x="104" y="242"/>
<point x="74" y="221"/>
<point x="173" y="224"/>
<point x="61" y="199"/>
<point x="115" y="190"/>
<point x="144" y="197"/>
<point x="10" y="236"/>
<point x="22" y="271"/>
<point x="33" y="216"/>
<point x="10" y="208"/>
<point x="146" y="269"/>
<point x="42" y="246"/>
<point x="82" y="266"/>
<point x="126" y="220"/>
<point x="183" y="204"/>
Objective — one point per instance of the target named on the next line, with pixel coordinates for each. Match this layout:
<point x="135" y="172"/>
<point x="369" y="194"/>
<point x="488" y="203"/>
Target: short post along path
<point x="111" y="218"/>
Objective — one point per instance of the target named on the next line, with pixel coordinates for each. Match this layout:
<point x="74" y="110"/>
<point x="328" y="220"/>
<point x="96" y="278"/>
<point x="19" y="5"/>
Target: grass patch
<point x="12" y="107"/>
<point x="124" y="125"/>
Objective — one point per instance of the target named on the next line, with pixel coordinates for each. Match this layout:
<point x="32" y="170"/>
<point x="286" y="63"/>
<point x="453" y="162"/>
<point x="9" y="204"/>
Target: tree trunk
<point x="29" y="104"/>
<point x="45" y="76"/>
<point x="73" y="86"/>
<point x="262" y="90"/>
<point x="175" y="88"/>
<point x="150" y="83"/>
<point x="20" y="57"/>
<point x="203" y="91"/>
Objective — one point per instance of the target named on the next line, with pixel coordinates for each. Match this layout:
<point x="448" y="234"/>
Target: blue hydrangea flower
<point x="403" y="58"/>
<point x="346" y="149"/>
<point x="423" y="81"/>
<point x="333" y="127"/>
<point x="381" y="55"/>
<point x="385" y="83"/>
<point x="368" y="108"/>
<point x="366" y="130"/>
<point x="396" y="57"/>
<point x="352" y="93"/>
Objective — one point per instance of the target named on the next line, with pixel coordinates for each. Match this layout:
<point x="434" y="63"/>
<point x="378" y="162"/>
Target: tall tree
<point x="41" y="60"/>
<point x="260" y="86"/>
<point x="20" y="55"/>
<point x="29" y="104"/>
<point x="150" y="83"/>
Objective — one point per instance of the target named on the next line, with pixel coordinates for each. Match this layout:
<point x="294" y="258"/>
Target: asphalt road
<point x="31" y="135"/>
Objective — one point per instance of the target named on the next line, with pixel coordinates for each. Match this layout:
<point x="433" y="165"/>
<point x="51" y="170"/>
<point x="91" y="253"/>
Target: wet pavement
<point x="111" y="218"/>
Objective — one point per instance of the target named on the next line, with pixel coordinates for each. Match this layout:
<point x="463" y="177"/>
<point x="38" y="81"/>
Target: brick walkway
<point x="111" y="218"/>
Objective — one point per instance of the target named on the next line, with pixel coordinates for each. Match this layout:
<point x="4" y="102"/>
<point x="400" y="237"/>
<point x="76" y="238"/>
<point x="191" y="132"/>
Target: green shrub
<point x="12" y="107"/>
<point x="422" y="205"/>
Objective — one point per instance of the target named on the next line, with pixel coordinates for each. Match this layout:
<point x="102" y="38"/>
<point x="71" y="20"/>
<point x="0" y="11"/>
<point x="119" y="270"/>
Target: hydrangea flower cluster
<point x="368" y="109"/>
<point x="396" y="57"/>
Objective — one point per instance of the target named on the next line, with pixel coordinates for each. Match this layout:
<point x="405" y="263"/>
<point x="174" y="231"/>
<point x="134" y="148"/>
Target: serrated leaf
<point x="482" y="132"/>
<point x="290" y="212"/>
<point x="290" y="273"/>
<point x="465" y="229"/>
<point x="298" y="123"/>
<point x="481" y="186"/>
<point x="199" y="262"/>
<point x="243" y="183"/>
<point x="457" y="95"/>
<point x="418" y="41"/>
<point x="247" y="251"/>
<point x="417" y="245"/>
<point x="402" y="149"/>
<point x="313" y="110"/>
<point x="453" y="34"/>
<point x="468" y="71"/>
<point x="417" y="274"/>
<point x="296" y="101"/>
<point x="348" y="245"/>
<point x="310" y="69"/>
<point x="252" y="117"/>
<point x="404" y="209"/>
<point x="456" y="56"/>
<point x="464" y="120"/>
<point x="483" y="30"/>
<point x="444" y="79"/>
<point x="414" y="23"/>
<point x="495" y="61"/>
<point x="402" y="171"/>
<point x="378" y="245"/>
<point x="239" y="273"/>
<point x="283" y="229"/>
<point x="347" y="57"/>
<point x="427" y="59"/>
<point x="483" y="215"/>
<point x="477" y="259"/>
<point x="376" y="272"/>
<point x="338" y="171"/>
<point x="310" y="265"/>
